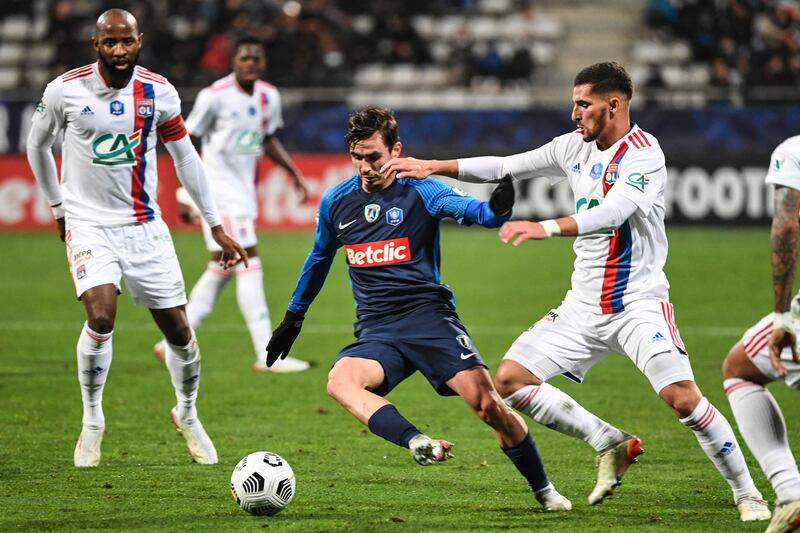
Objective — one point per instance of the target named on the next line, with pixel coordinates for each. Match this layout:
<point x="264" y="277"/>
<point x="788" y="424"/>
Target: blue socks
<point x="389" y="424"/>
<point x="526" y="458"/>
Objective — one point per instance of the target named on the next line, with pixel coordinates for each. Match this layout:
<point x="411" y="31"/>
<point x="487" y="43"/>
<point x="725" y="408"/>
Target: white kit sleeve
<point x="609" y="215"/>
<point x="192" y="176"/>
<point x="43" y="165"/>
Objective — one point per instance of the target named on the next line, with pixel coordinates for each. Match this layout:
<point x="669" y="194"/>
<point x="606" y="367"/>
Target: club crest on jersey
<point x="612" y="173"/>
<point x="144" y="107"/>
<point x="464" y="341"/>
<point x="116" y="149"/>
<point x="596" y="171"/>
<point x="394" y="216"/>
<point x="372" y="212"/>
<point x="116" y="108"/>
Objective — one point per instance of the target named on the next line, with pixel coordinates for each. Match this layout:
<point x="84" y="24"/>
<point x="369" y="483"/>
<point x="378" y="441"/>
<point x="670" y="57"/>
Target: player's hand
<point x="283" y="337"/>
<point x="519" y="231"/>
<point x="779" y="340"/>
<point x="62" y="228"/>
<point x="301" y="188"/>
<point x="232" y="251"/>
<point x="407" y="167"/>
<point x="502" y="199"/>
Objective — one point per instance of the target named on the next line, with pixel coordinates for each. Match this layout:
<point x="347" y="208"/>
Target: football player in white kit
<point x="112" y="113"/>
<point x="619" y="300"/>
<point x="237" y="118"/>
<point x="768" y="351"/>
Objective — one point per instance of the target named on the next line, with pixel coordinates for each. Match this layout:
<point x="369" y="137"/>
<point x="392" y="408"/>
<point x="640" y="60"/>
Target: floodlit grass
<point x="348" y="479"/>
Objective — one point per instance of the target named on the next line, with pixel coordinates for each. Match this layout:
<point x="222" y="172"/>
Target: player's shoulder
<point x="75" y="74"/>
<point x="266" y="86"/>
<point x="643" y="146"/>
<point x="222" y="85"/>
<point x="340" y="190"/>
<point x="788" y="146"/>
<point x="148" y="76"/>
<point x="429" y="185"/>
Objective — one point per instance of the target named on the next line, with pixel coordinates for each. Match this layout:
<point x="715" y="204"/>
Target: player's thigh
<point x="557" y="345"/>
<point x="243" y="229"/>
<point x="374" y="365"/>
<point x="435" y="341"/>
<point x="755" y="343"/>
<point x="648" y="335"/>
<point x="92" y="254"/>
<point x="150" y="267"/>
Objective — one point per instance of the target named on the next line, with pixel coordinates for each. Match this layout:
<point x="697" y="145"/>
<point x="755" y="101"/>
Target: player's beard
<point x="600" y="125"/>
<point x="115" y="72"/>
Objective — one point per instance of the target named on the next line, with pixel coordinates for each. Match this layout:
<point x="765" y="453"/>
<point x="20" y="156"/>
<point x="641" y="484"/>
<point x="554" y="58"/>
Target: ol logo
<point x="372" y="212"/>
<point x="612" y="173"/>
<point x="116" y="108"/>
<point x="394" y="216"/>
<point x="116" y="149"/>
<point x="144" y="107"/>
<point x="597" y="169"/>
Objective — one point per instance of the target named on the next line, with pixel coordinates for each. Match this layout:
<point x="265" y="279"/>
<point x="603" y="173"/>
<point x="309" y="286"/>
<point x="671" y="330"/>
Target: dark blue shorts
<point x="430" y="339"/>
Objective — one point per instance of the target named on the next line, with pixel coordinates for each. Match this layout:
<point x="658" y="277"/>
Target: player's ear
<point x="140" y="39"/>
<point x="397" y="148"/>
<point x="614" y="105"/>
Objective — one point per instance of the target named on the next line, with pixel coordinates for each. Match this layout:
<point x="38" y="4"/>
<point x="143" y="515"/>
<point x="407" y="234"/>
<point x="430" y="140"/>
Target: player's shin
<point x="716" y="437"/>
<point x="205" y="293"/>
<point x="763" y="428"/>
<point x="183" y="363"/>
<point x="389" y="424"/>
<point x="94" y="359"/>
<point x="554" y="409"/>
<point x="253" y="304"/>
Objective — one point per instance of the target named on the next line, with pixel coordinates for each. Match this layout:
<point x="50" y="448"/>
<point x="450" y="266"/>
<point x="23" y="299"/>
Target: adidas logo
<point x="727" y="449"/>
<point x="658" y="337"/>
<point x="87" y="111"/>
<point x="576" y="168"/>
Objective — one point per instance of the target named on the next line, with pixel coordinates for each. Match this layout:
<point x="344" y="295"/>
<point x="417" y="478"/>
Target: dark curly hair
<point x="364" y="123"/>
<point x="606" y="78"/>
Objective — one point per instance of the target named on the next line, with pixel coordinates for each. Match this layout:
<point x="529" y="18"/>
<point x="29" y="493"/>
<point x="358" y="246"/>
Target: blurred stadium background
<point x="716" y="82"/>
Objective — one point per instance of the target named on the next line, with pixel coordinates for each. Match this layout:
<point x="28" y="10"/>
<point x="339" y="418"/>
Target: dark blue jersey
<point x="391" y="240"/>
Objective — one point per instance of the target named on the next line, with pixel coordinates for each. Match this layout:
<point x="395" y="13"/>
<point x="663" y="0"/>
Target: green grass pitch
<point x="348" y="479"/>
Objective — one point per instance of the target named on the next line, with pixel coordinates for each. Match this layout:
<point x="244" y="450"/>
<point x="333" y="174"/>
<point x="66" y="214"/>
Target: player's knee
<point x="337" y="385"/>
<point x="180" y="335"/>
<point x="682" y="397"/>
<point x="101" y="323"/>
<point x="507" y="380"/>
<point x="728" y="368"/>
<point x="491" y="409"/>
<point x="731" y="366"/>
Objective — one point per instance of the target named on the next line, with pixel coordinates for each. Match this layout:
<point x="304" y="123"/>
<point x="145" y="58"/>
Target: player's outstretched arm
<point x="518" y="231"/>
<point x="275" y="151"/>
<point x="43" y="165"/>
<point x="784" y="234"/>
<point x="410" y="167"/>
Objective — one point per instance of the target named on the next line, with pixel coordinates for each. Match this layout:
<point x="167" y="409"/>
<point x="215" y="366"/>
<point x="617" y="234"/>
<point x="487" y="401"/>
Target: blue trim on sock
<point x="389" y="424"/>
<point x="526" y="458"/>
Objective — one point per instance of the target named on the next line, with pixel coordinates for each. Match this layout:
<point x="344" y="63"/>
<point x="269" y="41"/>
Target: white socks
<point x="553" y="408"/>
<point x="763" y="428"/>
<point x="253" y="305"/>
<point x="718" y="441"/>
<point x="94" y="358"/>
<point x="183" y="363"/>
<point x="205" y="293"/>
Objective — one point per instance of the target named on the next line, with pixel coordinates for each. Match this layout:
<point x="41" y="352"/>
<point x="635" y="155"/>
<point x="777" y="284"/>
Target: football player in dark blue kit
<point x="406" y="319"/>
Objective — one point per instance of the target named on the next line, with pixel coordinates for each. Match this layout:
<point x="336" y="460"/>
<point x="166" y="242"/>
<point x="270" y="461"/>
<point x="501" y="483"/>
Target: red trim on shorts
<point x="668" y="311"/>
<point x="758" y="340"/>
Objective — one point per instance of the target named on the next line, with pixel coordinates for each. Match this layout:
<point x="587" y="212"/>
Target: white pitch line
<point x="328" y="329"/>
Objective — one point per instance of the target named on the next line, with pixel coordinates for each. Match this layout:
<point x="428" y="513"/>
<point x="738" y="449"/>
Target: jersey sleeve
<point x="546" y="161"/>
<point x="443" y="201"/>
<point x="642" y="178"/>
<point x="203" y="114"/>
<point x="170" y="122"/>
<point x="784" y="168"/>
<point x="319" y="260"/>
<point x="49" y="113"/>
<point x="274" y="112"/>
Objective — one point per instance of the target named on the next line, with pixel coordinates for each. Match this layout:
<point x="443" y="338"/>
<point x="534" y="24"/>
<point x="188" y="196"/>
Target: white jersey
<point x="108" y="167"/>
<point x="784" y="165"/>
<point x="611" y="269"/>
<point x="233" y="126"/>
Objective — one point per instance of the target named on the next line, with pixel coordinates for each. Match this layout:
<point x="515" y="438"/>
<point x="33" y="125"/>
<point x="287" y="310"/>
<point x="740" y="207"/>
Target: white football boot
<point x="200" y="446"/>
<point x="87" y="451"/>
<point x="283" y="366"/>
<point x="785" y="518"/>
<point x="551" y="500"/>
<point x="427" y="451"/>
<point x="753" y="508"/>
<point x="612" y="464"/>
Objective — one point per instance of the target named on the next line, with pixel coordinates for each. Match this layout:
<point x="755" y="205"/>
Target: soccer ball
<point x="263" y="483"/>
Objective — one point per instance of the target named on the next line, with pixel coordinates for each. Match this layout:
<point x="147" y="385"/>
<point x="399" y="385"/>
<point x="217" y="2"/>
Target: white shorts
<point x="569" y="340"/>
<point x="141" y="254"/>
<point x="755" y="340"/>
<point x="241" y="228"/>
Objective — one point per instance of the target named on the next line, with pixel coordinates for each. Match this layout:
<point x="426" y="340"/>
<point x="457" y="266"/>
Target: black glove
<point x="284" y="336"/>
<point x="502" y="199"/>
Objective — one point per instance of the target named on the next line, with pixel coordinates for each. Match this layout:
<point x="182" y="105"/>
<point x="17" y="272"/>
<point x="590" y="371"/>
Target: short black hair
<point x="246" y="40"/>
<point x="364" y="123"/>
<point x="605" y="78"/>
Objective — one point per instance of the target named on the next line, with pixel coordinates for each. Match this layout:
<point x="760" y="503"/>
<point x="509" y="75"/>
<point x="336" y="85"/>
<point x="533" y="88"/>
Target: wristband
<point x="783" y="321"/>
<point x="551" y="227"/>
<point x="58" y="211"/>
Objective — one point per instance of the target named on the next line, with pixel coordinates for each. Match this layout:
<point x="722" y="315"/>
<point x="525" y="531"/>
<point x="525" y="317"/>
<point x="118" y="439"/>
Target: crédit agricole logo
<point x="116" y="149"/>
